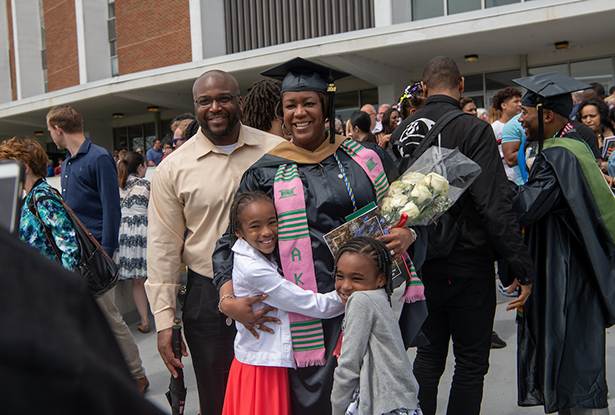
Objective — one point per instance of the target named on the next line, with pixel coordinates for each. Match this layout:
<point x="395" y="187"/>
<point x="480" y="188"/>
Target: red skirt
<point x="257" y="390"/>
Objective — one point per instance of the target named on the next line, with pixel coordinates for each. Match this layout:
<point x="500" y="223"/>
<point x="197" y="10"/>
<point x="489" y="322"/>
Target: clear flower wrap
<point x="429" y="187"/>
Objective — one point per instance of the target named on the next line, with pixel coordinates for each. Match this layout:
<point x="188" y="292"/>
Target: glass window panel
<point x="498" y="80"/>
<point x="120" y="138"/>
<point x="149" y="131"/>
<point x="597" y="70"/>
<point x="495" y="3"/>
<point x="135" y="133"/>
<point x="478" y="99"/>
<point x="460" y="6"/>
<point x="111" y="27"/>
<point x="114" y="67"/>
<point x="113" y="47"/>
<point x="424" y="9"/>
<point x="347" y="100"/>
<point x="136" y="143"/>
<point x="473" y="84"/>
<point x="562" y="68"/>
<point x="369" y="96"/>
<point x="111" y="9"/>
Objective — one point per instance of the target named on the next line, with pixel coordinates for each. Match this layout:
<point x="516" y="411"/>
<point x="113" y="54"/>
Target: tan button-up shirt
<point x="191" y="194"/>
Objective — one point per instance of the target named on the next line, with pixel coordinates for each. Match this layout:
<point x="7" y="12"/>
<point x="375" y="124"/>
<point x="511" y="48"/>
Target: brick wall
<point x="61" y="44"/>
<point x="9" y="18"/>
<point x="152" y="34"/>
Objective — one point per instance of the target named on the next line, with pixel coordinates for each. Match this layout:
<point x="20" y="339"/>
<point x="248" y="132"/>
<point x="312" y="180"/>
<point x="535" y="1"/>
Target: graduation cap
<point x="299" y="74"/>
<point x="550" y="91"/>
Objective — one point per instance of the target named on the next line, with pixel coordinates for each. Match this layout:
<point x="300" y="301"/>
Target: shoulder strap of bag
<point x="33" y="207"/>
<point x="77" y="224"/>
<point x="128" y="194"/>
<point x="433" y="134"/>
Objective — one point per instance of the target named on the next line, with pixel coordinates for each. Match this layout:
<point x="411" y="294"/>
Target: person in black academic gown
<point x="568" y="212"/>
<point x="304" y="111"/>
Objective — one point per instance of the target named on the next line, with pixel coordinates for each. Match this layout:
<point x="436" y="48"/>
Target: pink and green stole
<point x="296" y="246"/>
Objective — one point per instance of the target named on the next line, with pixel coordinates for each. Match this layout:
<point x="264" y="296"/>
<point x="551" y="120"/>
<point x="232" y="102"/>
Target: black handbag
<point x="444" y="234"/>
<point x="98" y="269"/>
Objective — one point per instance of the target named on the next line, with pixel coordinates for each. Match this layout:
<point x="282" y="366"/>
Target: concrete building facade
<point x="128" y="65"/>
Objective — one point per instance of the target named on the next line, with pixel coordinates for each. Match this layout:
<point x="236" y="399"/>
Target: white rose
<point x="397" y="188"/>
<point x="410" y="209"/>
<point x="439" y="184"/>
<point x="386" y="204"/>
<point x="412" y="177"/>
<point x="421" y="193"/>
<point x="398" y="200"/>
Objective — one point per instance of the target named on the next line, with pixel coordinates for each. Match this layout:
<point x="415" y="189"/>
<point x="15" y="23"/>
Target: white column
<point x="92" y="40"/>
<point x="196" y="30"/>
<point x="27" y="41"/>
<point x="83" y="73"/>
<point x="5" y="67"/>
<point x="383" y="13"/>
<point x="213" y="33"/>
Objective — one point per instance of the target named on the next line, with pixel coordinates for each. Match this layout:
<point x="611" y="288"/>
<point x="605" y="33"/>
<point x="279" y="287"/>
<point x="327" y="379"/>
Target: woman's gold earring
<point x="284" y="128"/>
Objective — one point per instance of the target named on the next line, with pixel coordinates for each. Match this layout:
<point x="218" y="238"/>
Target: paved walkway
<point x="500" y="393"/>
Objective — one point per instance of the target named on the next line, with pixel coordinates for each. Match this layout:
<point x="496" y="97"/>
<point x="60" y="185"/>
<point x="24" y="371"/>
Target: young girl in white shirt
<point x="373" y="374"/>
<point x="258" y="378"/>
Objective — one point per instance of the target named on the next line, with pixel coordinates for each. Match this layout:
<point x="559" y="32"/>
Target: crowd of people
<point x="245" y="190"/>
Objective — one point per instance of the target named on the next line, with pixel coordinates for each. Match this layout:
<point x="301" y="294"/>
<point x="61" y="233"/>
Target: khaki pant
<point x="122" y="334"/>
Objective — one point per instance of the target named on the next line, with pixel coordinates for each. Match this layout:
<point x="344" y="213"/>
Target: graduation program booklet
<point x="366" y="221"/>
<point x="609" y="142"/>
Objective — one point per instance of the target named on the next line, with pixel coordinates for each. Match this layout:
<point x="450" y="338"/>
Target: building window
<point x="135" y="136"/>
<point x="496" y="3"/>
<point x="41" y="15"/>
<point x="112" y="38"/>
<point x="482" y="87"/>
<point x="425" y="9"/>
<point x="595" y="70"/>
<point x="460" y="6"/>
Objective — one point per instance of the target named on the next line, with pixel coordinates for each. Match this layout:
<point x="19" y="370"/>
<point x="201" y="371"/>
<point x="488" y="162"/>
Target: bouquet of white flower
<point x="428" y="188"/>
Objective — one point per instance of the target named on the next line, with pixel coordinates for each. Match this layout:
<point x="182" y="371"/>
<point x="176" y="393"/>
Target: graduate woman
<point x="315" y="181"/>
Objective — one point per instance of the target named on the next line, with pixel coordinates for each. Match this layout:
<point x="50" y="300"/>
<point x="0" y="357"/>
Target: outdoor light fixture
<point x="562" y="45"/>
<point x="38" y="133"/>
<point x="152" y="109"/>
<point x="117" y="115"/>
<point x="471" y="58"/>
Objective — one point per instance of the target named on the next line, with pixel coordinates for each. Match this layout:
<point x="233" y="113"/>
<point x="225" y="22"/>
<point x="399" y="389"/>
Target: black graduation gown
<point x="561" y="336"/>
<point x="327" y="204"/>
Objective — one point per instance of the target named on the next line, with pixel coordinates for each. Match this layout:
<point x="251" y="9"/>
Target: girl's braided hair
<point x="240" y="202"/>
<point x="374" y="250"/>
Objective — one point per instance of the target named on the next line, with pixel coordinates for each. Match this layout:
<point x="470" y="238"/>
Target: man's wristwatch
<point x="413" y="235"/>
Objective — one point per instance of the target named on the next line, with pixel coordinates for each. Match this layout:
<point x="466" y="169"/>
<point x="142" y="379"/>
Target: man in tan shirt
<point x="192" y="190"/>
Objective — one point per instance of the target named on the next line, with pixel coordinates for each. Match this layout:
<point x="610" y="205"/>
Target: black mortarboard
<point x="299" y="74"/>
<point x="550" y="91"/>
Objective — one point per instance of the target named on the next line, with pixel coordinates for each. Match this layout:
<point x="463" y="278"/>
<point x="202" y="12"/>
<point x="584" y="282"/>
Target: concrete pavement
<point x="500" y="392"/>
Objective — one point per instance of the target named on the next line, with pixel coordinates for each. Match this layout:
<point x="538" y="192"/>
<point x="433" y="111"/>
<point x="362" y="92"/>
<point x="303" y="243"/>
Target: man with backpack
<point x="460" y="286"/>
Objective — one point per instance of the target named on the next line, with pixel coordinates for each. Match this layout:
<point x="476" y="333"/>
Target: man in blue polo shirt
<point x="90" y="189"/>
<point x="154" y="155"/>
